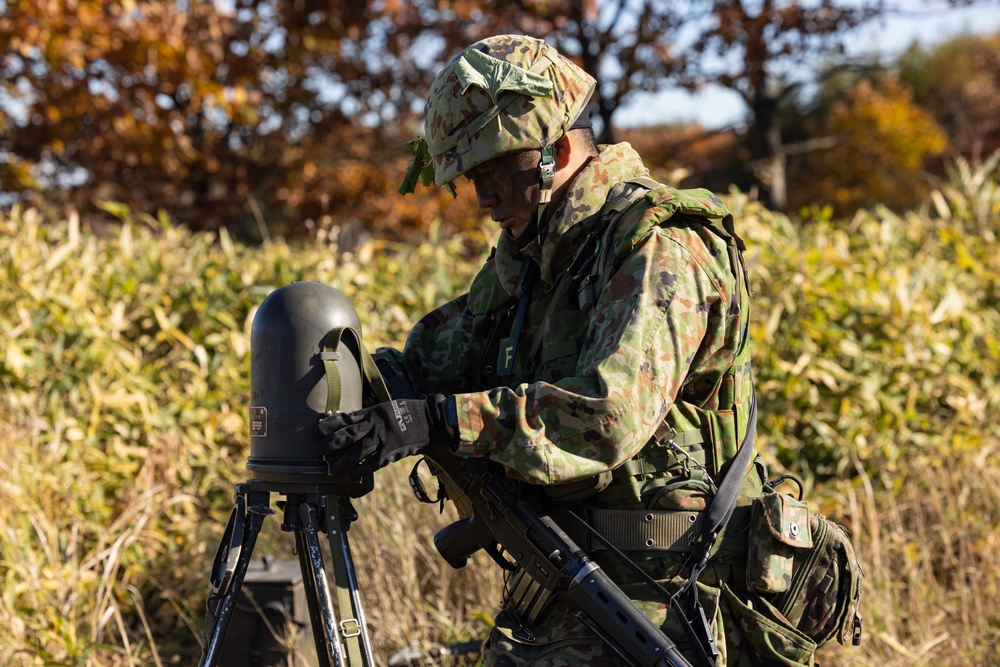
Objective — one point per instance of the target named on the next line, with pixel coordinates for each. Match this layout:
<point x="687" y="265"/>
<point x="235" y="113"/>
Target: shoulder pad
<point x="658" y="207"/>
<point x="699" y="201"/>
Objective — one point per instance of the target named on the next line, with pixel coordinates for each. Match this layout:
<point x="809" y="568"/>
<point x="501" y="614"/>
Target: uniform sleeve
<point x="437" y="355"/>
<point x="443" y="349"/>
<point x="659" y="313"/>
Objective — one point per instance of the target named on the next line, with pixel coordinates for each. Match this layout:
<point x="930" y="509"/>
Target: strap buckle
<point x="350" y="627"/>
<point x="417" y="486"/>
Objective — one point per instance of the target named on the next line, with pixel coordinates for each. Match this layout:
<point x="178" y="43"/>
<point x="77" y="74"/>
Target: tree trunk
<point x="604" y="110"/>
<point x="766" y="143"/>
<point x="779" y="187"/>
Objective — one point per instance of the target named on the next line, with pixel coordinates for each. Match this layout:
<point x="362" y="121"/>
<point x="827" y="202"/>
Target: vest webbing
<point x="631" y="479"/>
<point x="659" y="530"/>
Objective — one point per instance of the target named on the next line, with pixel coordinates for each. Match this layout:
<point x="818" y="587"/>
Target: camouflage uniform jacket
<point x="590" y="384"/>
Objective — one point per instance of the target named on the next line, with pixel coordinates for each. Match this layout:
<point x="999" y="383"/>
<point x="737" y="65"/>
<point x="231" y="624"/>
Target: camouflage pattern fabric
<point x="501" y="95"/>
<point x="802" y="569"/>
<point x="665" y="336"/>
<point x="667" y="325"/>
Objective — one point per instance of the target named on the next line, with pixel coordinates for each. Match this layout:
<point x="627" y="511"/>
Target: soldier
<point x="601" y="354"/>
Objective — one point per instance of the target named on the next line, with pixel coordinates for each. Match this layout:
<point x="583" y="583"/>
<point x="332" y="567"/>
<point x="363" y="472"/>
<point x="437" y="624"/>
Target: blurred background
<point x="287" y="117"/>
<point x="165" y="165"/>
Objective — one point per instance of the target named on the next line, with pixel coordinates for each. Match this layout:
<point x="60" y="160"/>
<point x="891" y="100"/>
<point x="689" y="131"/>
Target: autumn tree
<point x="289" y="115"/>
<point x="256" y="110"/>
<point x="758" y="49"/>
<point x="882" y="143"/>
<point x="628" y="46"/>
<point x="754" y="47"/>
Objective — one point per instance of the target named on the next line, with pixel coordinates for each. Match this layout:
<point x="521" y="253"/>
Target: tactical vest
<point x="679" y="466"/>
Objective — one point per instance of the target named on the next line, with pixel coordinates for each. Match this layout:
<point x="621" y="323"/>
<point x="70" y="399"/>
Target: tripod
<point x="309" y="509"/>
<point x="306" y="355"/>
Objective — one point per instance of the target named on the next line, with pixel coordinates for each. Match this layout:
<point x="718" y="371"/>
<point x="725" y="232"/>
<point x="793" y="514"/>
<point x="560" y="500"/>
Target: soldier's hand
<point x="366" y="440"/>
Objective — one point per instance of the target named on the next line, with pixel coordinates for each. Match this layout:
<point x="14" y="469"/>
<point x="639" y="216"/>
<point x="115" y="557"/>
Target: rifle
<point x="503" y="521"/>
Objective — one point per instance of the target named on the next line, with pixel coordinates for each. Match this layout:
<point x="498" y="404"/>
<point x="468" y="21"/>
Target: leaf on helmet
<point x="421" y="168"/>
<point x="475" y="68"/>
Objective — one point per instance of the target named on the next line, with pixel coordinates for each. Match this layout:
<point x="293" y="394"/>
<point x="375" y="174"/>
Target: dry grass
<point x="928" y="540"/>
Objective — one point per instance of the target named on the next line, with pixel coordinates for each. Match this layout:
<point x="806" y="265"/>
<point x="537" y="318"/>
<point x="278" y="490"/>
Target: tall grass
<point x="123" y="390"/>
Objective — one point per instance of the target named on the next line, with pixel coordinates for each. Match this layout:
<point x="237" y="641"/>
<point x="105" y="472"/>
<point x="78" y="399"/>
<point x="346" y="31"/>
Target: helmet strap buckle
<point x="546" y="176"/>
<point x="547" y="173"/>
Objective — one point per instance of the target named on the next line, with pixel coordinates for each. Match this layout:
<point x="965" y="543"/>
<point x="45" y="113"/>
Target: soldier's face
<point x="508" y="187"/>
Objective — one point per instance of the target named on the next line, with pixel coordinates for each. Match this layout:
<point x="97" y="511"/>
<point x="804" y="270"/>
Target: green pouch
<point x="771" y="640"/>
<point x="802" y="566"/>
<point x="779" y="530"/>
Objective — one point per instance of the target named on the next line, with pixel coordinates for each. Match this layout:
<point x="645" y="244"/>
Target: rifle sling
<point x="691" y="614"/>
<point x="717" y="516"/>
<point x="712" y="522"/>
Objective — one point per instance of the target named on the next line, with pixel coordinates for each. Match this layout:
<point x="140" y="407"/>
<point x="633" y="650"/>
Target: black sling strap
<point x="685" y="602"/>
<point x="691" y="614"/>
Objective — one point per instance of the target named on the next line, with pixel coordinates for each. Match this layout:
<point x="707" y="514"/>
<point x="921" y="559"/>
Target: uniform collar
<point x="572" y="218"/>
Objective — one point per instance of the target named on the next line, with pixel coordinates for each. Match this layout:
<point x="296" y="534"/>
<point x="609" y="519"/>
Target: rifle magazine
<point x="525" y="600"/>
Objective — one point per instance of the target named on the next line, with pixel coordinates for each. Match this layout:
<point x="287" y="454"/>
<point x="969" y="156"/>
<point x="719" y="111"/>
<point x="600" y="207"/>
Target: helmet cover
<point x="504" y="94"/>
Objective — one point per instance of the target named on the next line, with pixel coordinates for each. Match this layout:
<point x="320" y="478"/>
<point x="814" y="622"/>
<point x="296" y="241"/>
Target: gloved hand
<point x="366" y="440"/>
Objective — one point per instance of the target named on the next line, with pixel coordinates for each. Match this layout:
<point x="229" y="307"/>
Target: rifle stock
<point x="505" y="524"/>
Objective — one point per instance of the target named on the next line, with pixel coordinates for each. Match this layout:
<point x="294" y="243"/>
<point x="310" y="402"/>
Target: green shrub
<point x="124" y="376"/>
<point x="873" y="338"/>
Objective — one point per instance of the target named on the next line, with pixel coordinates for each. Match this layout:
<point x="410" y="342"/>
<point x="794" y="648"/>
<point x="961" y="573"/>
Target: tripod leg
<point x="321" y="609"/>
<point x="339" y="514"/>
<point x="251" y="525"/>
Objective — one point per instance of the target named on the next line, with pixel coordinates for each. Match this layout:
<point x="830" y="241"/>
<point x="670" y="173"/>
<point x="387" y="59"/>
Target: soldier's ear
<point x="564" y="151"/>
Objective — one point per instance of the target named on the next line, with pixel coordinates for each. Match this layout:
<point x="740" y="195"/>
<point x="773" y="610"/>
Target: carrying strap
<point x="665" y="433"/>
<point x="722" y="505"/>
<point x="591" y="253"/>
<point x="330" y="356"/>
<point x="625" y="194"/>
<point x="691" y="614"/>
<point x="524" y="288"/>
<point x="351" y="630"/>
<point x="622" y="198"/>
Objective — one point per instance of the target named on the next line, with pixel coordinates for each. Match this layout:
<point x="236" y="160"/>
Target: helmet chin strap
<point x="546" y="175"/>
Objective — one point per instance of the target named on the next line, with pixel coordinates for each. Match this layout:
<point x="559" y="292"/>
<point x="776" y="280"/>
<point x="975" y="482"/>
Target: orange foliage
<point x="883" y="141"/>
<point x="289" y="116"/>
<point x="362" y="194"/>
<point x="254" y="115"/>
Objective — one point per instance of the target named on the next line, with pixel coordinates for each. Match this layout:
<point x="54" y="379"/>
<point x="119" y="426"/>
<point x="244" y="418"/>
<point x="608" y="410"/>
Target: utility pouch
<point x="802" y="568"/>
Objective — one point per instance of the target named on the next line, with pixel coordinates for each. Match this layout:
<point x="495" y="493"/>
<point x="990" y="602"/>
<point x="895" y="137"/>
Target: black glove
<point x="366" y="440"/>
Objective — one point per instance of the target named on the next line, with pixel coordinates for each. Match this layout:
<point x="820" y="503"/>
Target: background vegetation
<point x="284" y="117"/>
<point x="124" y="384"/>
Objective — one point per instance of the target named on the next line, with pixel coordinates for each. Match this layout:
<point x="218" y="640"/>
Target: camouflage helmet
<point x="503" y="94"/>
